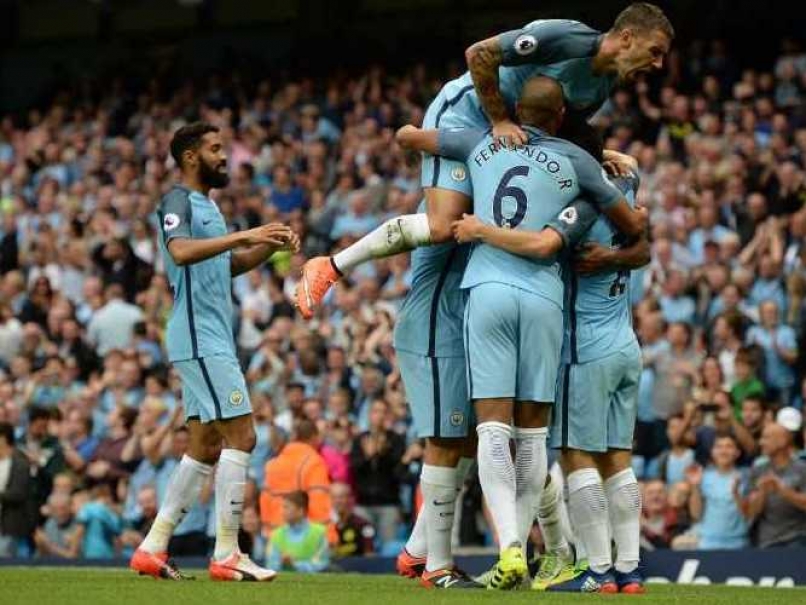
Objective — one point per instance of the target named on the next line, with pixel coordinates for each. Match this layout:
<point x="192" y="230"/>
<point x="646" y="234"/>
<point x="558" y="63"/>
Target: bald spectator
<point x="58" y="537"/>
<point x="776" y="501"/>
<point x="350" y="534"/>
<point x="112" y="326"/>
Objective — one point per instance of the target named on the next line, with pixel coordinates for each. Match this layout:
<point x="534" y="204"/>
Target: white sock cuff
<point x="440" y="476"/>
<point x="462" y="469"/>
<point x="527" y="433"/>
<point x="414" y="228"/>
<point x="619" y="480"/>
<point x="235" y="456"/>
<point x="494" y="427"/>
<point x="201" y="467"/>
<point x="583" y="478"/>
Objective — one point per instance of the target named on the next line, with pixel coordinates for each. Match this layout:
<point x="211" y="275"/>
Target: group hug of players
<point x="519" y="316"/>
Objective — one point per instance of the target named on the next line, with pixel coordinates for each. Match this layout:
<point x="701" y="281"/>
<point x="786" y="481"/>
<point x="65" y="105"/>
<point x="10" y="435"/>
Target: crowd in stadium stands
<point x="90" y="421"/>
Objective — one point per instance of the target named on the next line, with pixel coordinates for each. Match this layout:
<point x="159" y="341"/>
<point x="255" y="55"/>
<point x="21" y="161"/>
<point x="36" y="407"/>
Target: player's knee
<point x="443" y="452"/>
<point x="245" y="441"/>
<point x="206" y="452"/>
<point x="440" y="228"/>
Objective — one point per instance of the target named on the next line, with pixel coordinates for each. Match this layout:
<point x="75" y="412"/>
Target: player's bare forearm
<point x="417" y="139"/>
<point x="534" y="244"/>
<point x="188" y="251"/>
<point x="483" y="60"/>
<point x="244" y="260"/>
<point x="634" y="256"/>
<point x="630" y="221"/>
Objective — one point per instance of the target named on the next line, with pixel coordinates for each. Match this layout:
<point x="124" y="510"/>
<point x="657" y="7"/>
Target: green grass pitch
<point x="46" y="586"/>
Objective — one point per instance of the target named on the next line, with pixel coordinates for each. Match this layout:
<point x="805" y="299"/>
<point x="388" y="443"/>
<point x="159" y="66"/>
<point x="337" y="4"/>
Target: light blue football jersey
<point x="200" y="324"/>
<point x="598" y="316"/>
<point x="523" y="188"/>
<point x="430" y="320"/>
<point x="558" y="48"/>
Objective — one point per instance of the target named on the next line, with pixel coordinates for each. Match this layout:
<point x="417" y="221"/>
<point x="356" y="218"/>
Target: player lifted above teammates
<point x="587" y="64"/>
<point x="513" y="318"/>
<point x="201" y="259"/>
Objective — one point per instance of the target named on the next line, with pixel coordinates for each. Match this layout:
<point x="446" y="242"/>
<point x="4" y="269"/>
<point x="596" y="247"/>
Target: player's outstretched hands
<point x="508" y="134"/>
<point x="467" y="230"/>
<point x="276" y="235"/>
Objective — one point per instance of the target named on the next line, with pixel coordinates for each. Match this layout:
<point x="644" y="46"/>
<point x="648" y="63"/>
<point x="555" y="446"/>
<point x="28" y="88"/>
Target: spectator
<point x="43" y="452"/>
<point x="659" y="524"/>
<point x="112" y="326"/>
<point x="671" y="465"/>
<point x="376" y="461"/>
<point x="351" y="534"/>
<point x="747" y="382"/>
<point x="675" y="305"/>
<point x="16" y="511"/>
<point x="58" y="537"/>
<point x="715" y="502"/>
<point x="298" y="467"/>
<point x="776" y="501"/>
<point x="98" y="524"/>
<point x="780" y="347"/>
<point x="137" y="529"/>
<point x="299" y="544"/>
<point x="78" y="443"/>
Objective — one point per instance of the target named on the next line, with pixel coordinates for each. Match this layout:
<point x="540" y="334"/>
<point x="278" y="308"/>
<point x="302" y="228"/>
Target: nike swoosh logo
<point x="444" y="503"/>
<point x="208" y="221"/>
<point x="442" y="515"/>
<point x="234" y="503"/>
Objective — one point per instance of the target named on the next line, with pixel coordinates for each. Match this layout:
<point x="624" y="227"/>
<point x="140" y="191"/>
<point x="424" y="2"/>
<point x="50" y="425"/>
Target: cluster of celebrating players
<point x="518" y="321"/>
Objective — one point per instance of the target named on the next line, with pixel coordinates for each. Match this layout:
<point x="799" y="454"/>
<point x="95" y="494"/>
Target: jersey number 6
<point x="518" y="194"/>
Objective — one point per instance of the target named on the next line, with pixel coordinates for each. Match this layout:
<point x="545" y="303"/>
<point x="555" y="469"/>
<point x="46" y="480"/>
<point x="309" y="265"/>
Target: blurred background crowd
<point x="90" y="413"/>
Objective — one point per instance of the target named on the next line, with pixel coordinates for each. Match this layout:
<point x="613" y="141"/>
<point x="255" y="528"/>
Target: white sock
<point x="531" y="467"/>
<point x="497" y="478"/>
<point x="396" y="235"/>
<point x="230" y="484"/>
<point x="568" y="529"/>
<point x="588" y="508"/>
<point x="417" y="544"/>
<point x="550" y="518"/>
<point x="624" y="505"/>
<point x="183" y="491"/>
<point x="439" y="497"/>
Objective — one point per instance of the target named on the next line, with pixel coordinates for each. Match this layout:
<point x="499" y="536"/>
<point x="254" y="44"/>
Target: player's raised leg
<point x="151" y="558"/>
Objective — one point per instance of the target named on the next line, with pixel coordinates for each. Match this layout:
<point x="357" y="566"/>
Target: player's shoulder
<point x="561" y="27"/>
<point x="176" y="195"/>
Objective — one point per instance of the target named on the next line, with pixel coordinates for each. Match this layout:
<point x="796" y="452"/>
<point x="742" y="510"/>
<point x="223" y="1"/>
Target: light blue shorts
<point x="448" y="112"/>
<point x="597" y="403"/>
<point x="512" y="343"/>
<point x="436" y="389"/>
<point x="213" y="388"/>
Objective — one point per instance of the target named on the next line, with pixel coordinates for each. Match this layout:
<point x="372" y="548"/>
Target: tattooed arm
<point x="483" y="60"/>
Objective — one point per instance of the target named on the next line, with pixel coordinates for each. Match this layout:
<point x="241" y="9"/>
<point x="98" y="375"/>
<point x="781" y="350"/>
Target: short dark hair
<point x="7" y="433"/>
<point x="298" y="499"/>
<point x="645" y="17"/>
<point x="188" y="138"/>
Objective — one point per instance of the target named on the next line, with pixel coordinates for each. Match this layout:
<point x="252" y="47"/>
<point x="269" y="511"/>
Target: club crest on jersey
<point x="236" y="398"/>
<point x="458" y="173"/>
<point x="525" y="44"/>
<point x="457" y="418"/>
<point x="569" y="216"/>
<point x="170" y="222"/>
